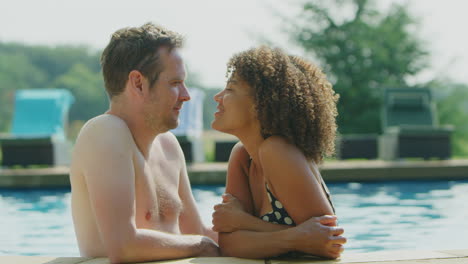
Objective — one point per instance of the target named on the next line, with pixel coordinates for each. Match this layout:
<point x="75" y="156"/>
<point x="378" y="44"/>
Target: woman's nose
<point x="217" y="97"/>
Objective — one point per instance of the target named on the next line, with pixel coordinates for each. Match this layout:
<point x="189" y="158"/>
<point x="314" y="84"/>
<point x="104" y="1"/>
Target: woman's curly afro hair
<point x="293" y="99"/>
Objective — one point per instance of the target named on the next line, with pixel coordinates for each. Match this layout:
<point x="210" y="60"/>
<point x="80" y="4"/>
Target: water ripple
<point x="376" y="216"/>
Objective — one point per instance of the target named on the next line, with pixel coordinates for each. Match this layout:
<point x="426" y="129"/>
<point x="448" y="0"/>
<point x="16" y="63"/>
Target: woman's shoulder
<point x="239" y="153"/>
<point x="276" y="145"/>
<point x="277" y="155"/>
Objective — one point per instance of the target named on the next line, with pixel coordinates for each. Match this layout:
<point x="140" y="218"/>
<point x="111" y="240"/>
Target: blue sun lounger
<point x="37" y="134"/>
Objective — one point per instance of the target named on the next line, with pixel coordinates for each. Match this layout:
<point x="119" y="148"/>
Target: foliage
<point x="361" y="54"/>
<point x="88" y="89"/>
<point x="452" y="106"/>
<point x="75" y="68"/>
<point x="71" y="67"/>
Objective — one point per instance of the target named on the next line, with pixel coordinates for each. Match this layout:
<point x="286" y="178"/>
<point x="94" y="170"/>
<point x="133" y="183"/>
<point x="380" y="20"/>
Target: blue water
<point x="376" y="216"/>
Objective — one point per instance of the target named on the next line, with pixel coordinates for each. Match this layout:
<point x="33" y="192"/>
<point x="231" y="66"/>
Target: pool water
<point x="376" y="216"/>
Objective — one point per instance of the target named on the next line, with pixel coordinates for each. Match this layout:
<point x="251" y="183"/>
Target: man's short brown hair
<point x="135" y="48"/>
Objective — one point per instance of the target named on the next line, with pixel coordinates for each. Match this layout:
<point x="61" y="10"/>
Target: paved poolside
<point x="215" y="173"/>
<point x="383" y="257"/>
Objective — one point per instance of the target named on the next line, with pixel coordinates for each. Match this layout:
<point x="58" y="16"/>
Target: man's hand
<point x="228" y="215"/>
<point x="319" y="236"/>
<point x="209" y="248"/>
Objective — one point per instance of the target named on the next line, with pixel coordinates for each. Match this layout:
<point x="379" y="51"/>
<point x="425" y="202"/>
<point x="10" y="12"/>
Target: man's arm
<point x="107" y="160"/>
<point x="189" y="219"/>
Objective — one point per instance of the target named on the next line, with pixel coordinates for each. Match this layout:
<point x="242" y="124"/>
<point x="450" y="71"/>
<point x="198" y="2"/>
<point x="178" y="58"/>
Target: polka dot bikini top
<point x="278" y="215"/>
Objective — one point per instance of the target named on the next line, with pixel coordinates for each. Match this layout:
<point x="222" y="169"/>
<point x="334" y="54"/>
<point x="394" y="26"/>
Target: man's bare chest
<point x="156" y="193"/>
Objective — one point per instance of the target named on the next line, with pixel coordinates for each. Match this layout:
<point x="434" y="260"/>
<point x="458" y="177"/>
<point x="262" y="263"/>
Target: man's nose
<point x="184" y="93"/>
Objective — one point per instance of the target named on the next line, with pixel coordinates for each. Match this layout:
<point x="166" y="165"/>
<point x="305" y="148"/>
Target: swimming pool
<point x="376" y="216"/>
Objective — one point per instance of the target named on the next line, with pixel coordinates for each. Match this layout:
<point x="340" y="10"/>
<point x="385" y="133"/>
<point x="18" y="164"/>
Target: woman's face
<point x="235" y="111"/>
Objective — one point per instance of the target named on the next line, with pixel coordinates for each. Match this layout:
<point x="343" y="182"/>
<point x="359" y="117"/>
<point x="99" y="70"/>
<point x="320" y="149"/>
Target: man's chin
<point x="173" y="125"/>
<point x="167" y="127"/>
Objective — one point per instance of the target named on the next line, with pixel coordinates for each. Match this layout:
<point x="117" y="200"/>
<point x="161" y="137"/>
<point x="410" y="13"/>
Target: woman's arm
<point x="292" y="181"/>
<point x="237" y="213"/>
<point x="243" y="243"/>
<point x="229" y="216"/>
<point x="313" y="236"/>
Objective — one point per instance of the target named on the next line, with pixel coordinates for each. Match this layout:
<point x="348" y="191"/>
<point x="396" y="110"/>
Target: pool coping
<point x="381" y="257"/>
<point x="215" y="173"/>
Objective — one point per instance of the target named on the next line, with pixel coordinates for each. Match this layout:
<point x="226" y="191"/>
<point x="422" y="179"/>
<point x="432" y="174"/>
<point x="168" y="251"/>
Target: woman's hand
<point x="319" y="236"/>
<point x="229" y="215"/>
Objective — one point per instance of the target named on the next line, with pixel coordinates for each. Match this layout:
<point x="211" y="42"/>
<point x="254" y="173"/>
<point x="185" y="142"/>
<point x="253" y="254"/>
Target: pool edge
<point x="409" y="256"/>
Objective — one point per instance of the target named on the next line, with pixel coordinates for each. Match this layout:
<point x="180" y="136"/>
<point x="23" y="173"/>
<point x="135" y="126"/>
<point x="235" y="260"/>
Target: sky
<point x="216" y="29"/>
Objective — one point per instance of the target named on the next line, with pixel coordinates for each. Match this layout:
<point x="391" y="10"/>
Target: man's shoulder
<point x="168" y="137"/>
<point x="105" y="121"/>
<point x="103" y="131"/>
<point x="168" y="141"/>
<point x="104" y="125"/>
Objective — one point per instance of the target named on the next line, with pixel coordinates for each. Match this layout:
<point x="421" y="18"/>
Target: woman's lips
<point x="219" y="111"/>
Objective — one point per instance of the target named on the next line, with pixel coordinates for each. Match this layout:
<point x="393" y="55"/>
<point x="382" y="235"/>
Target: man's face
<point x="162" y="107"/>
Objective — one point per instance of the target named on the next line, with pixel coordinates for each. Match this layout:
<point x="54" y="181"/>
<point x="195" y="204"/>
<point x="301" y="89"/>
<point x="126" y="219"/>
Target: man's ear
<point x="136" y="82"/>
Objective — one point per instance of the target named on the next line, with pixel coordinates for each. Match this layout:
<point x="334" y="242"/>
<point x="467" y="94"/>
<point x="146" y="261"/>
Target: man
<point x="131" y="197"/>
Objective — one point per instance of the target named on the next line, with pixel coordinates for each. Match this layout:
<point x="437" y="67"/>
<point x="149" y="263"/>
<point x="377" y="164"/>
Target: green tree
<point x="16" y="72"/>
<point x="72" y="67"/>
<point x="452" y="106"/>
<point x="75" y="68"/>
<point x="361" y="54"/>
<point x="87" y="87"/>
<point x="55" y="60"/>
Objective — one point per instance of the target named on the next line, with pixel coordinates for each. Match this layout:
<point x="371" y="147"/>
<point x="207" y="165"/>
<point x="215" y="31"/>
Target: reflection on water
<point x="36" y="222"/>
<point x="403" y="215"/>
<point x="389" y="216"/>
<point x="376" y="216"/>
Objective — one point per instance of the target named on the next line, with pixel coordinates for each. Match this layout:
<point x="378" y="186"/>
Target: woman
<point x="283" y="111"/>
